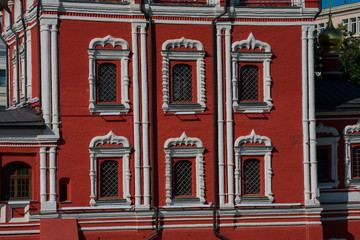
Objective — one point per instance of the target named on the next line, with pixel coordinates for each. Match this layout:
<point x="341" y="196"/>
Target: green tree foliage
<point x="350" y="56"/>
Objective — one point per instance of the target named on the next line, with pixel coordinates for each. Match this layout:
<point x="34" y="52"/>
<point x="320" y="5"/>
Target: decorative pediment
<point x="173" y="43"/>
<point x="352" y="128"/>
<point x="109" y="138"/>
<point x="109" y="40"/>
<point x="183" y="140"/>
<point x="324" y="129"/>
<point x="252" y="43"/>
<point x="252" y="138"/>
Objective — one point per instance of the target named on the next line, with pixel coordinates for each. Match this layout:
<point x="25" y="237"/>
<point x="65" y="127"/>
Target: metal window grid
<point x="183" y="178"/>
<point x="249" y="86"/>
<point x="356" y="162"/>
<point x="17" y="181"/>
<point x="107" y="87"/>
<point x="252" y="176"/>
<point x="109" y="175"/>
<point x="182" y="83"/>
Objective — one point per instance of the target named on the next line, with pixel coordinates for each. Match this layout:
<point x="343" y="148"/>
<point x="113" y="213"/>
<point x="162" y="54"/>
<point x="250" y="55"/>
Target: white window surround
<point x="264" y="149"/>
<point x="251" y="56"/>
<point x="351" y="136"/>
<point x="122" y="150"/>
<point x="333" y="142"/>
<point x="109" y="54"/>
<point x="186" y="147"/>
<point x="169" y="53"/>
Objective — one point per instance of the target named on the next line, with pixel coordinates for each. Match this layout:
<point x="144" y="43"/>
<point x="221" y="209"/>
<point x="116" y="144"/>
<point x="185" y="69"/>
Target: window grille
<point x="109" y="179"/>
<point x="322" y="156"/>
<point x="249" y="86"/>
<point x="107" y="86"/>
<point x="16" y="181"/>
<point x="356" y="162"/>
<point x="182" y="83"/>
<point x="183" y="178"/>
<point x="252" y="176"/>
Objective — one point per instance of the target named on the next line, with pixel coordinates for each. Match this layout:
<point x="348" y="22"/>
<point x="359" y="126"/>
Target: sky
<point x="325" y="3"/>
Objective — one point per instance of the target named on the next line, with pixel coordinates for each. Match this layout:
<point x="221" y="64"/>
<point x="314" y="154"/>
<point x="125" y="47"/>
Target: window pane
<point x="353" y="25"/>
<point x="252" y="176"/>
<point x="322" y="156"/>
<point x="183" y="178"/>
<point x="109" y="179"/>
<point x="182" y="83"/>
<point x="107" y="83"/>
<point x="249" y="86"/>
<point x="345" y="22"/>
<point x="16" y="181"/>
<point x="356" y="162"/>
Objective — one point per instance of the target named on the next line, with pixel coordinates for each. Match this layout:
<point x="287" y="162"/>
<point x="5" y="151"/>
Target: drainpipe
<point x="17" y="51"/>
<point x="25" y="49"/>
<point x="215" y="127"/>
<point x="152" y="123"/>
<point x="38" y="51"/>
<point x="7" y="68"/>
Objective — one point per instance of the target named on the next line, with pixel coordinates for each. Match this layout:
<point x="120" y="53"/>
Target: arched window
<point x="16" y="184"/>
<point x="249" y="83"/>
<point x="251" y="178"/>
<point x="182" y="89"/>
<point x="107" y="84"/>
<point x="356" y="162"/>
<point x="183" y="178"/>
<point x="323" y="163"/>
<point x="109" y="179"/>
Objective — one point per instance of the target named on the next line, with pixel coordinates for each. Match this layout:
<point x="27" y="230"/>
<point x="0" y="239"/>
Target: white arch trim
<point x="109" y="40"/>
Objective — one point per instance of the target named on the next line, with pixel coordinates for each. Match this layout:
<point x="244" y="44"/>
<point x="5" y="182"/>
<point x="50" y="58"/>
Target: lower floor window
<point x="323" y="166"/>
<point x="16" y="182"/>
<point x="356" y="162"/>
<point x="183" y="178"/>
<point x="251" y="177"/>
<point x="109" y="179"/>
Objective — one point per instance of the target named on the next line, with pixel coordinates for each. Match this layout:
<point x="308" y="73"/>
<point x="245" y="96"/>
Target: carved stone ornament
<point x="320" y="128"/>
<point x="352" y="128"/>
<point x="183" y="140"/>
<point x="173" y="43"/>
<point x="253" y="138"/>
<point x="109" y="40"/>
<point x="252" y="43"/>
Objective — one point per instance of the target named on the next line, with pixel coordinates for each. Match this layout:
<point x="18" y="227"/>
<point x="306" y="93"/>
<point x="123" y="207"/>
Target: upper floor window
<point x="352" y="155"/>
<point x="182" y="84"/>
<point x="249" y="83"/>
<point x="16" y="181"/>
<point x="323" y="163"/>
<point x="108" y="75"/>
<point x="251" y="75"/>
<point x="183" y="75"/>
<point x="356" y="162"/>
<point x="253" y="169"/>
<point x="345" y="23"/>
<point x="185" y="183"/>
<point x="110" y="170"/>
<point x="352" y="25"/>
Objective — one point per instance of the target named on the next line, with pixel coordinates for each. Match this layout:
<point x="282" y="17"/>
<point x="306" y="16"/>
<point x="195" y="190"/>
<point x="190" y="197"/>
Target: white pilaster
<point x="221" y="164"/>
<point x="145" y="116"/>
<point x="52" y="174"/>
<point x="54" y="78"/>
<point x="28" y="64"/>
<point x="305" y="121"/>
<point x="136" y="109"/>
<point x="312" y="120"/>
<point x="45" y="73"/>
<point x="229" y="118"/>
<point x="92" y="180"/>
<point x="43" y="168"/>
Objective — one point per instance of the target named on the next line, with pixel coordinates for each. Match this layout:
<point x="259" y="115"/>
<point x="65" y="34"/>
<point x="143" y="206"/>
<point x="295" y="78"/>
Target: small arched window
<point x="109" y="179"/>
<point x="251" y="184"/>
<point x="64" y="189"/>
<point x="183" y="181"/>
<point x="356" y="162"/>
<point x="107" y="83"/>
<point x="323" y="164"/>
<point x="249" y="83"/>
<point x="16" y="184"/>
<point x="182" y="89"/>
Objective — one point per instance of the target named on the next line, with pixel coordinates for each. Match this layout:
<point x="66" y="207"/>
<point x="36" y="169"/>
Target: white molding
<point x="333" y="142"/>
<point x="112" y="54"/>
<point x="169" y="52"/>
<point x="187" y="147"/>
<point x="265" y="149"/>
<point x="351" y="136"/>
<point x="248" y="56"/>
<point x="122" y="150"/>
